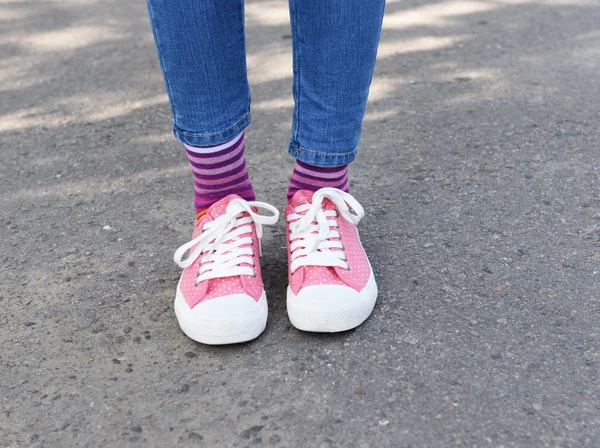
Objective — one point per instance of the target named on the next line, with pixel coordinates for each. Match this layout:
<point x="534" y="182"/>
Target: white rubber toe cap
<point x="331" y="308"/>
<point x="224" y="320"/>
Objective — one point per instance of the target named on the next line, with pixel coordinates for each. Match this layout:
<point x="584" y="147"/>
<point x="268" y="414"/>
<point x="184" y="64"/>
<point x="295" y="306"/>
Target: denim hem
<point x="214" y="138"/>
<point x="323" y="159"/>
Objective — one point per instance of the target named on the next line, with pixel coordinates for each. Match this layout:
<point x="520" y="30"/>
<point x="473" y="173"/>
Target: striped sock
<point x="219" y="171"/>
<point x="308" y="177"/>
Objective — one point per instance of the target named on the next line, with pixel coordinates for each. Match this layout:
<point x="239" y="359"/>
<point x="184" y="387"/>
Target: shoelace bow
<point x="314" y="240"/>
<point x="219" y="246"/>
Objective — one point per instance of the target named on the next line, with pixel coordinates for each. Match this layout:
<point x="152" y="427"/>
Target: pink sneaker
<point x="332" y="286"/>
<point x="220" y="297"/>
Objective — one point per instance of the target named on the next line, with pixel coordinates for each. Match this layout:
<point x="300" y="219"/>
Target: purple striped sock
<point x="219" y="171"/>
<point x="308" y="177"/>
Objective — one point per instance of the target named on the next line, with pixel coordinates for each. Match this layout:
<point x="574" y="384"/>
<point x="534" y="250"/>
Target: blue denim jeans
<point x="202" y="52"/>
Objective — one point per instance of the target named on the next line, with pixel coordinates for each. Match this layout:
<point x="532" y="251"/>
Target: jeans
<point x="202" y="52"/>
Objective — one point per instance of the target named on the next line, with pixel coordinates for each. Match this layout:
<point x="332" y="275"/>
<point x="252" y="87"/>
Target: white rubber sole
<point x="226" y="320"/>
<point x="331" y="308"/>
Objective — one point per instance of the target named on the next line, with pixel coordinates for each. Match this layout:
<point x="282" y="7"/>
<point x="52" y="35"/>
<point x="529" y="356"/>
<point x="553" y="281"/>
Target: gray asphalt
<point x="479" y="173"/>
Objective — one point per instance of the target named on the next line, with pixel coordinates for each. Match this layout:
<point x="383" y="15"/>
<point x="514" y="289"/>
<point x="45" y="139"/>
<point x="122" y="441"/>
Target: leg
<point x="332" y="286"/>
<point x="220" y="298"/>
<point x="202" y="52"/>
<point x="335" y="45"/>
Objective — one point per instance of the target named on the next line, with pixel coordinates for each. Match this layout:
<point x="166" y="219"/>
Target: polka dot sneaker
<point x="220" y="297"/>
<point x="332" y="286"/>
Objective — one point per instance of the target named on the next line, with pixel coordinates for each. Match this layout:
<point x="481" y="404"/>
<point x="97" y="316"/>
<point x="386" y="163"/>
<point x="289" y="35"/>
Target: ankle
<point x="312" y="178"/>
<point x="219" y="171"/>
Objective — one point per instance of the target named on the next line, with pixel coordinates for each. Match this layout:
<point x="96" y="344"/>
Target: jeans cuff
<point x="323" y="159"/>
<point x="214" y="138"/>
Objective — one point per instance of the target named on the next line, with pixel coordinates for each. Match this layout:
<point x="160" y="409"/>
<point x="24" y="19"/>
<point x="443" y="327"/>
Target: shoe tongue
<point x="219" y="207"/>
<point x="303" y="197"/>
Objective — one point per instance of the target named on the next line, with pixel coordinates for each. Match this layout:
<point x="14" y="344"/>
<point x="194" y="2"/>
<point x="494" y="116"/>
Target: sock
<point x="219" y="171"/>
<point x="308" y="177"/>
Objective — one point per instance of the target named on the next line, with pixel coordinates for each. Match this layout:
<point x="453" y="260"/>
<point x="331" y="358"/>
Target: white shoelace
<point x="219" y="244"/>
<point x="313" y="234"/>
